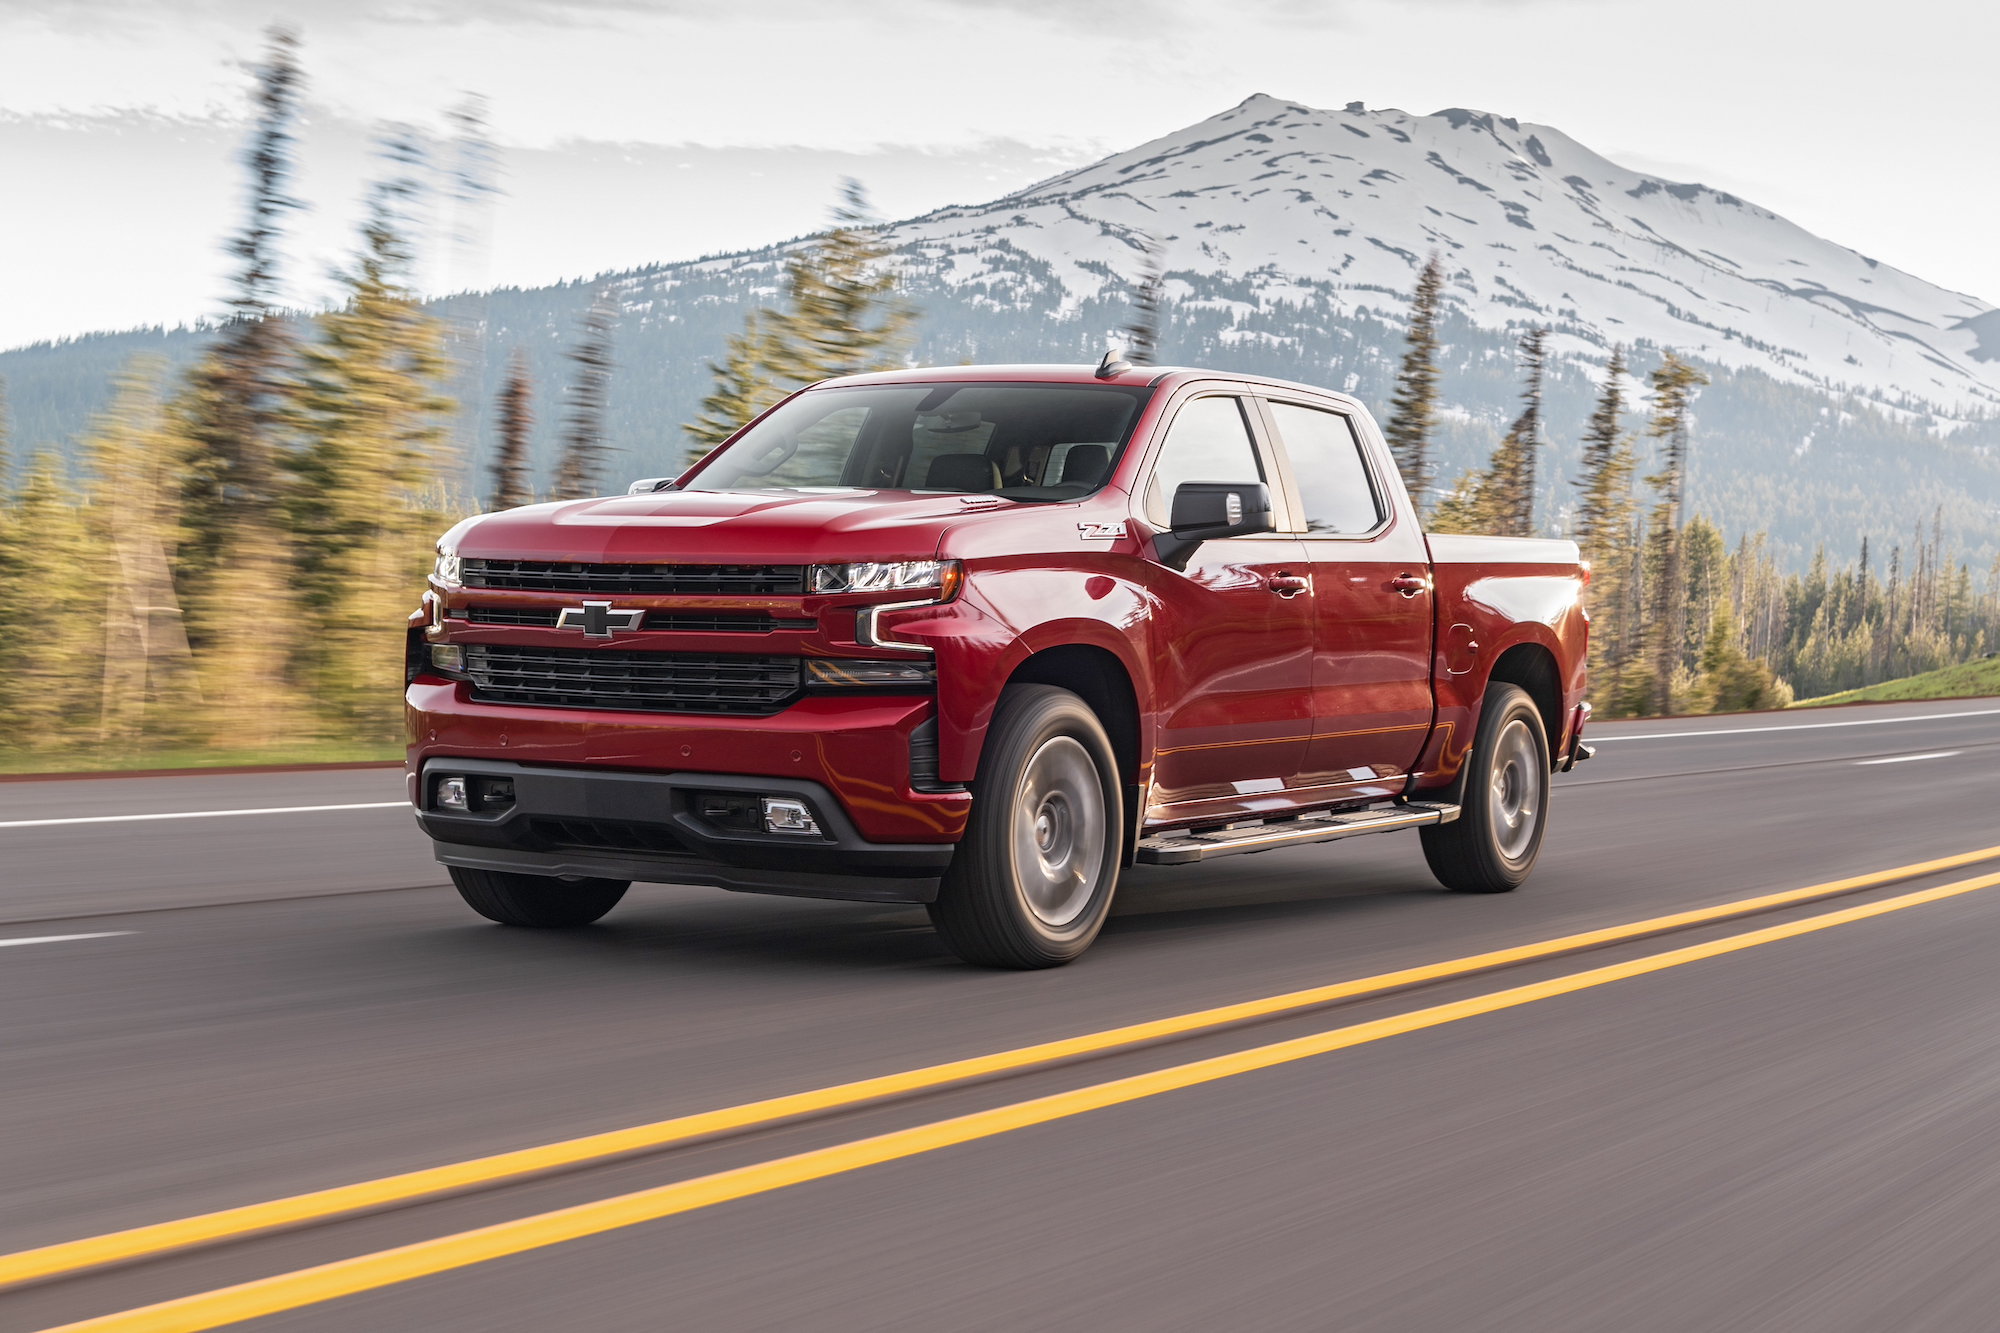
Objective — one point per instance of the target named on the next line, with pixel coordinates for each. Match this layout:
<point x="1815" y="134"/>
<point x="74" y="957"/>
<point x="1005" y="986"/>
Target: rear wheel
<point x="1492" y="845"/>
<point x="536" y="900"/>
<point x="1031" y="882"/>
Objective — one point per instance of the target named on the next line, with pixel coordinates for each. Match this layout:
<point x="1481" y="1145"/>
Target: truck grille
<point x="705" y="622"/>
<point x="632" y="681"/>
<point x="569" y="576"/>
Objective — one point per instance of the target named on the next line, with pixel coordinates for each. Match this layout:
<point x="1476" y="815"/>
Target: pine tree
<point x="1511" y="475"/>
<point x="1674" y="384"/>
<point x="515" y="411"/>
<point x="51" y="616"/>
<point x="1603" y="525"/>
<point x="744" y="387"/>
<point x="1500" y="498"/>
<point x="580" y="469"/>
<point x="1731" y="681"/>
<point x="373" y="424"/>
<point x="1413" y="406"/>
<point x="232" y="478"/>
<point x="1142" y="335"/>
<point x="840" y="317"/>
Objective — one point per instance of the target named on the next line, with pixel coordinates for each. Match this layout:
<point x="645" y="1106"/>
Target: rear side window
<point x="1208" y="441"/>
<point x="1334" y="486"/>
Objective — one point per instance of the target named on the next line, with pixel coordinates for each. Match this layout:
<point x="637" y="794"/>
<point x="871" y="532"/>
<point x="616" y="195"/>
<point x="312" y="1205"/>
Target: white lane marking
<point x="1797" y="726"/>
<point x="57" y="939"/>
<point x="1906" y="758"/>
<point x="202" y="814"/>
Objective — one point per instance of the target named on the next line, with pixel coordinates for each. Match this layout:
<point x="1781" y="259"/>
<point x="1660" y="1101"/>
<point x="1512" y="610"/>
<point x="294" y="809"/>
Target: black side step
<point x="1175" y="849"/>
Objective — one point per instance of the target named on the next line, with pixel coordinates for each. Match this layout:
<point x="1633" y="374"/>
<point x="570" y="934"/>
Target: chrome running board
<point x="1178" y="848"/>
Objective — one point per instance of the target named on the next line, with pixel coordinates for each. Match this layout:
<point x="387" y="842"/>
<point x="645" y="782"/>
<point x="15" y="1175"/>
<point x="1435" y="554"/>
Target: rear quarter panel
<point x="1494" y="594"/>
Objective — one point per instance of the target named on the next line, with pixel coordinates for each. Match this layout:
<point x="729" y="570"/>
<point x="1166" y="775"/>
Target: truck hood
<point x="723" y="527"/>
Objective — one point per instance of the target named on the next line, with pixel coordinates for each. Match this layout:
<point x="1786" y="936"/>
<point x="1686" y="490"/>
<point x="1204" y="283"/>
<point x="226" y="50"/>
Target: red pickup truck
<point x="978" y="638"/>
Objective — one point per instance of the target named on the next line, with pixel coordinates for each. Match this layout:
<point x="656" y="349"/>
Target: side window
<point x="1326" y="461"/>
<point x="1208" y="441"/>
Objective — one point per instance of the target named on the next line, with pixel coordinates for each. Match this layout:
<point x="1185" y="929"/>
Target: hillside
<point x="1967" y="680"/>
<point x="1848" y="398"/>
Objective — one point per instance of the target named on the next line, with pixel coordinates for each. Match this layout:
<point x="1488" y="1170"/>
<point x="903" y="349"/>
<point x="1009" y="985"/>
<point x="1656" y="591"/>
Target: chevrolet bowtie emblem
<point x="598" y="620"/>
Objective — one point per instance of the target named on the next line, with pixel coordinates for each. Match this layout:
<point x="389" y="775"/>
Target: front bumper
<point x="648" y="826"/>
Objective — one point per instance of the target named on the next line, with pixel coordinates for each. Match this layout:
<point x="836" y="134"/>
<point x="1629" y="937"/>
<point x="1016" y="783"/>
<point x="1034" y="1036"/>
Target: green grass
<point x="110" y="761"/>
<point x="1964" y="681"/>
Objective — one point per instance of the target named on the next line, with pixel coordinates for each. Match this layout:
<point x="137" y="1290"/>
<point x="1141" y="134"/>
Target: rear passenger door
<point x="1232" y="632"/>
<point x="1371" y="677"/>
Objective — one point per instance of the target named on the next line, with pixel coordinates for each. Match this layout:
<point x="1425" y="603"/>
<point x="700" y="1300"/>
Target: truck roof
<point x="1058" y="373"/>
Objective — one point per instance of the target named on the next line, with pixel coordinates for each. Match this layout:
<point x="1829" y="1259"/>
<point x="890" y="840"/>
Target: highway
<point x="1775" y="1116"/>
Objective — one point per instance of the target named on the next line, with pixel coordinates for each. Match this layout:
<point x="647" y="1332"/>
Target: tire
<point x="1031" y="882"/>
<point x="536" y="900"/>
<point x="1492" y="845"/>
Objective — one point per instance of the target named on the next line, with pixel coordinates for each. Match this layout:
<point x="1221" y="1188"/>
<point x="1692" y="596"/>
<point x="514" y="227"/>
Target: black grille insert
<point x="570" y="576"/>
<point x="687" y="622"/>
<point x="514" y="615"/>
<point x="632" y="681"/>
<point x="606" y="835"/>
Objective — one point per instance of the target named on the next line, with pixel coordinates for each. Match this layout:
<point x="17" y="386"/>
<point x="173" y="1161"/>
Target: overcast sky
<point x="643" y="130"/>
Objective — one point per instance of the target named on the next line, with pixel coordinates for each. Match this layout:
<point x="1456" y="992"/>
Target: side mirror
<point x="647" y="485"/>
<point x="1205" y="510"/>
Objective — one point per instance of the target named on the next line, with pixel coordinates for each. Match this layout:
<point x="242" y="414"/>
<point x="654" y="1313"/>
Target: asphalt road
<point x="1800" y="1134"/>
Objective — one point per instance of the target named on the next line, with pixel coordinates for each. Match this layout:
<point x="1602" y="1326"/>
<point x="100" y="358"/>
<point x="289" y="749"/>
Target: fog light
<point x="784" y="815"/>
<point x="451" y="795"/>
<point x="448" y="657"/>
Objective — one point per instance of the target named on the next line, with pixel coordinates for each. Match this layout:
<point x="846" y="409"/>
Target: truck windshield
<point x="1020" y="441"/>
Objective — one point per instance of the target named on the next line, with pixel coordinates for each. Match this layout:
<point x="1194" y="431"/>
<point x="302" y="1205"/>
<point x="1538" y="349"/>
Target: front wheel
<point x="514" y="899"/>
<point x="1492" y="845"/>
<point x="1031" y="882"/>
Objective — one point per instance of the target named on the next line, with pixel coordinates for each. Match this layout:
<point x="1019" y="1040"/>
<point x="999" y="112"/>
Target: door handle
<point x="1410" y="584"/>
<point x="1287" y="585"/>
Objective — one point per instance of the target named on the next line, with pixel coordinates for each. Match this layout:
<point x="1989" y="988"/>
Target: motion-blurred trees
<point x="517" y="417"/>
<point x="1674" y="385"/>
<point x="841" y="316"/>
<point x="372" y="425"/>
<point x="745" y="385"/>
<point x="1142" y="334"/>
<point x="580" y="471"/>
<point x="234" y="408"/>
<point x="1603" y="529"/>
<point x="1413" y="406"/>
<point x="1500" y="499"/>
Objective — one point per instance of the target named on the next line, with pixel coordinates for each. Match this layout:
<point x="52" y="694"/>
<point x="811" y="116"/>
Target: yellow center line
<point x="311" y="1286"/>
<point x="138" y="1242"/>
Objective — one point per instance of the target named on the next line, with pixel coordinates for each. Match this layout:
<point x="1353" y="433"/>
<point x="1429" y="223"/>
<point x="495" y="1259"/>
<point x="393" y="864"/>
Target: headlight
<point x="888" y="576"/>
<point x="448" y="568"/>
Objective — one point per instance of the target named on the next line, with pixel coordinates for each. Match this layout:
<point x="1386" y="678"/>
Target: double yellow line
<point x="327" y="1282"/>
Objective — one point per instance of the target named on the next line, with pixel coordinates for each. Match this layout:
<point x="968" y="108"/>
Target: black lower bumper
<point x="648" y="827"/>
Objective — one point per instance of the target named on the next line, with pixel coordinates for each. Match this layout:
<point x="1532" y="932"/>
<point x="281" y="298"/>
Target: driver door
<point x="1233" y="651"/>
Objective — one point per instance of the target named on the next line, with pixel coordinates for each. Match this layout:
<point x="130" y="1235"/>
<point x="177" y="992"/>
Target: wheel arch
<point x="1101" y="679"/>
<point x="1532" y="666"/>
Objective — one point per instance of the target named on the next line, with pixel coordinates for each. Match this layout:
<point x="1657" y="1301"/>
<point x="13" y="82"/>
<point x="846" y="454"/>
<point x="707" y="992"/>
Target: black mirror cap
<point x="1205" y="510"/>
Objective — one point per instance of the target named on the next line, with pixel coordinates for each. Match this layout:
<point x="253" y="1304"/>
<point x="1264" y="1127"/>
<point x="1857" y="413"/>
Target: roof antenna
<point x="1113" y="365"/>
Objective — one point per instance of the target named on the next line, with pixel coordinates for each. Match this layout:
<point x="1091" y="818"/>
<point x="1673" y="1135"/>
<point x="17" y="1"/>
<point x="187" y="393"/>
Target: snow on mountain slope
<point x="1535" y="229"/>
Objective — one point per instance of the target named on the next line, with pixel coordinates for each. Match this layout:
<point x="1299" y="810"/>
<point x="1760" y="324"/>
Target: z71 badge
<point x="1100" y="531"/>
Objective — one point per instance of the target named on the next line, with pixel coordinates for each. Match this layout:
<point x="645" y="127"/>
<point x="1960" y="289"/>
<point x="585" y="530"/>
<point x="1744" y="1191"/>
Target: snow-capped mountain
<point x="1848" y="399"/>
<point x="1533" y="227"/>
